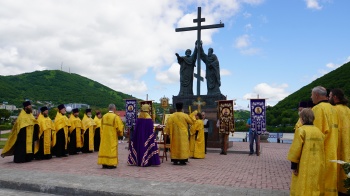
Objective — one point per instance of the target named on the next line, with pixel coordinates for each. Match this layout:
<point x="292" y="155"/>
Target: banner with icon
<point x="258" y="115"/>
<point x="226" y="116"/>
<point x="130" y="112"/>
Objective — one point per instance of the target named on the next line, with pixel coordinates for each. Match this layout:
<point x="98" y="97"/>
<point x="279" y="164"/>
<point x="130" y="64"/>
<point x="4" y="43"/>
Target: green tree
<point x="4" y="115"/>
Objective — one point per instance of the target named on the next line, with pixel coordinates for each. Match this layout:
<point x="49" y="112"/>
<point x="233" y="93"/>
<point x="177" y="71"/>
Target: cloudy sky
<point x="269" y="48"/>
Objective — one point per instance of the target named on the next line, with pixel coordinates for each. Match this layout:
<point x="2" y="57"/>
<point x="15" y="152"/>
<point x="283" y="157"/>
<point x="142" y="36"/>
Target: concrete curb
<point x="69" y="184"/>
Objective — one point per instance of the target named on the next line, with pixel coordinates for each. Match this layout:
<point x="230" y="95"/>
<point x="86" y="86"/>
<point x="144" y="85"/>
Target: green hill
<point x="284" y="113"/>
<point x="58" y="87"/>
<point x="338" y="78"/>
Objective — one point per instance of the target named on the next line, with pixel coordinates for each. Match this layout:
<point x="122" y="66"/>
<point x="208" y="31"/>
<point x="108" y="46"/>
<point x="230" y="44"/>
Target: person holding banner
<point x="144" y="150"/>
<point x="257" y="120"/>
<point x="225" y="123"/>
<point x="253" y="136"/>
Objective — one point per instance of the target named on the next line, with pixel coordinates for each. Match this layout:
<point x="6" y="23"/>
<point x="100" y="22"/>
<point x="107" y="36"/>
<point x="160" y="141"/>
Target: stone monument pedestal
<point x="210" y="109"/>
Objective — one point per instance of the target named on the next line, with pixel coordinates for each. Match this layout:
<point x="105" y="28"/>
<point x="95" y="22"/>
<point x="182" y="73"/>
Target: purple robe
<point x="143" y="147"/>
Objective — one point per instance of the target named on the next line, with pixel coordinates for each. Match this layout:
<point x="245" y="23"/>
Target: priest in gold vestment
<point x="75" y="139"/>
<point x="337" y="98"/>
<point x="302" y="105"/>
<point x="42" y="148"/>
<point x="88" y="132"/>
<point x="326" y="119"/>
<point x="24" y="132"/>
<point x="111" y="127"/>
<point x="307" y="156"/>
<point x="60" y="137"/>
<point x="177" y="127"/>
<point x="97" y="130"/>
<point x="197" y="143"/>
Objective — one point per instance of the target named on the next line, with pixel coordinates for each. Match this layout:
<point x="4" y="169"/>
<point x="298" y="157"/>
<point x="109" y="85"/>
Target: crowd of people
<point x="43" y="138"/>
<point x="322" y="134"/>
<point x="66" y="135"/>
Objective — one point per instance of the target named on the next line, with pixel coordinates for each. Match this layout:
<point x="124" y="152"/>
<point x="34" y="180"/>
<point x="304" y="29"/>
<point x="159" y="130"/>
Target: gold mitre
<point x="145" y="108"/>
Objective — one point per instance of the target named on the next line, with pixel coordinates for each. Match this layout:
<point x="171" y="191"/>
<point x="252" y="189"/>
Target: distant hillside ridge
<point x="338" y="78"/>
<point x="58" y="87"/>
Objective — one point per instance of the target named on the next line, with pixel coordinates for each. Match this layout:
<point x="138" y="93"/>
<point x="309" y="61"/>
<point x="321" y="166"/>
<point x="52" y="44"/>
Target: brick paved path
<point x="269" y="171"/>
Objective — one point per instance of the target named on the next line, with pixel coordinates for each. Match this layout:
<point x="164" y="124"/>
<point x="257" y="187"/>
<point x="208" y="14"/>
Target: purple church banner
<point x="130" y="112"/>
<point x="258" y="115"/>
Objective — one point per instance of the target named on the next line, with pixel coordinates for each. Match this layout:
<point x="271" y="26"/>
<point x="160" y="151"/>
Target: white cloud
<point x="113" y="42"/>
<point x="247" y="15"/>
<point x="253" y="2"/>
<point x="172" y="75"/>
<point x="242" y="41"/>
<point x="313" y="4"/>
<point x="225" y="72"/>
<point x="332" y="65"/>
<point x="329" y="67"/>
<point x="323" y="72"/>
<point x="248" y="27"/>
<point x="274" y="93"/>
<point x="251" y="51"/>
<point x="347" y="59"/>
<point x="263" y="19"/>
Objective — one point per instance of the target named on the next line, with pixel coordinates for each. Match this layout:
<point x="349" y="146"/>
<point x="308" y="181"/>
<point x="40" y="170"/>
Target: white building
<point x="77" y="105"/>
<point x="8" y="107"/>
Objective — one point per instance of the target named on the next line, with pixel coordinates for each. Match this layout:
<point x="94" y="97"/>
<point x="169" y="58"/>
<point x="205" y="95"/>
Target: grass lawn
<point x="2" y="144"/>
<point x="5" y="135"/>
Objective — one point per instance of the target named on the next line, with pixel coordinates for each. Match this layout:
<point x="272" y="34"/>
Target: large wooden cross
<point x="199" y="27"/>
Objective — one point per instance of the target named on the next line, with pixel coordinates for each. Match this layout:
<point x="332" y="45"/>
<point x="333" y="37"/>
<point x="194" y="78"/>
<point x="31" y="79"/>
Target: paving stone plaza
<point x="233" y="174"/>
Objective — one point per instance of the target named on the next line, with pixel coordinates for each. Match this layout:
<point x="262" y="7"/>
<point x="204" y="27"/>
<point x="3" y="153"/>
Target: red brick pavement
<point x="270" y="170"/>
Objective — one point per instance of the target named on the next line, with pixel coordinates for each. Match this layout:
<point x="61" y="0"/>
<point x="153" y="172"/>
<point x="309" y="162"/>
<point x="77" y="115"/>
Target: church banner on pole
<point x="226" y="116"/>
<point x="130" y="112"/>
<point x="258" y="115"/>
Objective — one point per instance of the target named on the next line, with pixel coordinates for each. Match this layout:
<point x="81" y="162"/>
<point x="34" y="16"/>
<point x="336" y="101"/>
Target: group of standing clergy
<point x="43" y="138"/>
<point x="186" y="134"/>
<point x="184" y="142"/>
<point x="322" y="134"/>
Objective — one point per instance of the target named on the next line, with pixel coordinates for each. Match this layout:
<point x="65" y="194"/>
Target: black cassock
<point x="97" y="139"/>
<point x="20" y="154"/>
<point x="85" y="148"/>
<point x="72" y="145"/>
<point x="40" y="154"/>
<point x="59" y="150"/>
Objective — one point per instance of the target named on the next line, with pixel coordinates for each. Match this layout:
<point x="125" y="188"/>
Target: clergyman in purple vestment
<point x="143" y="148"/>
